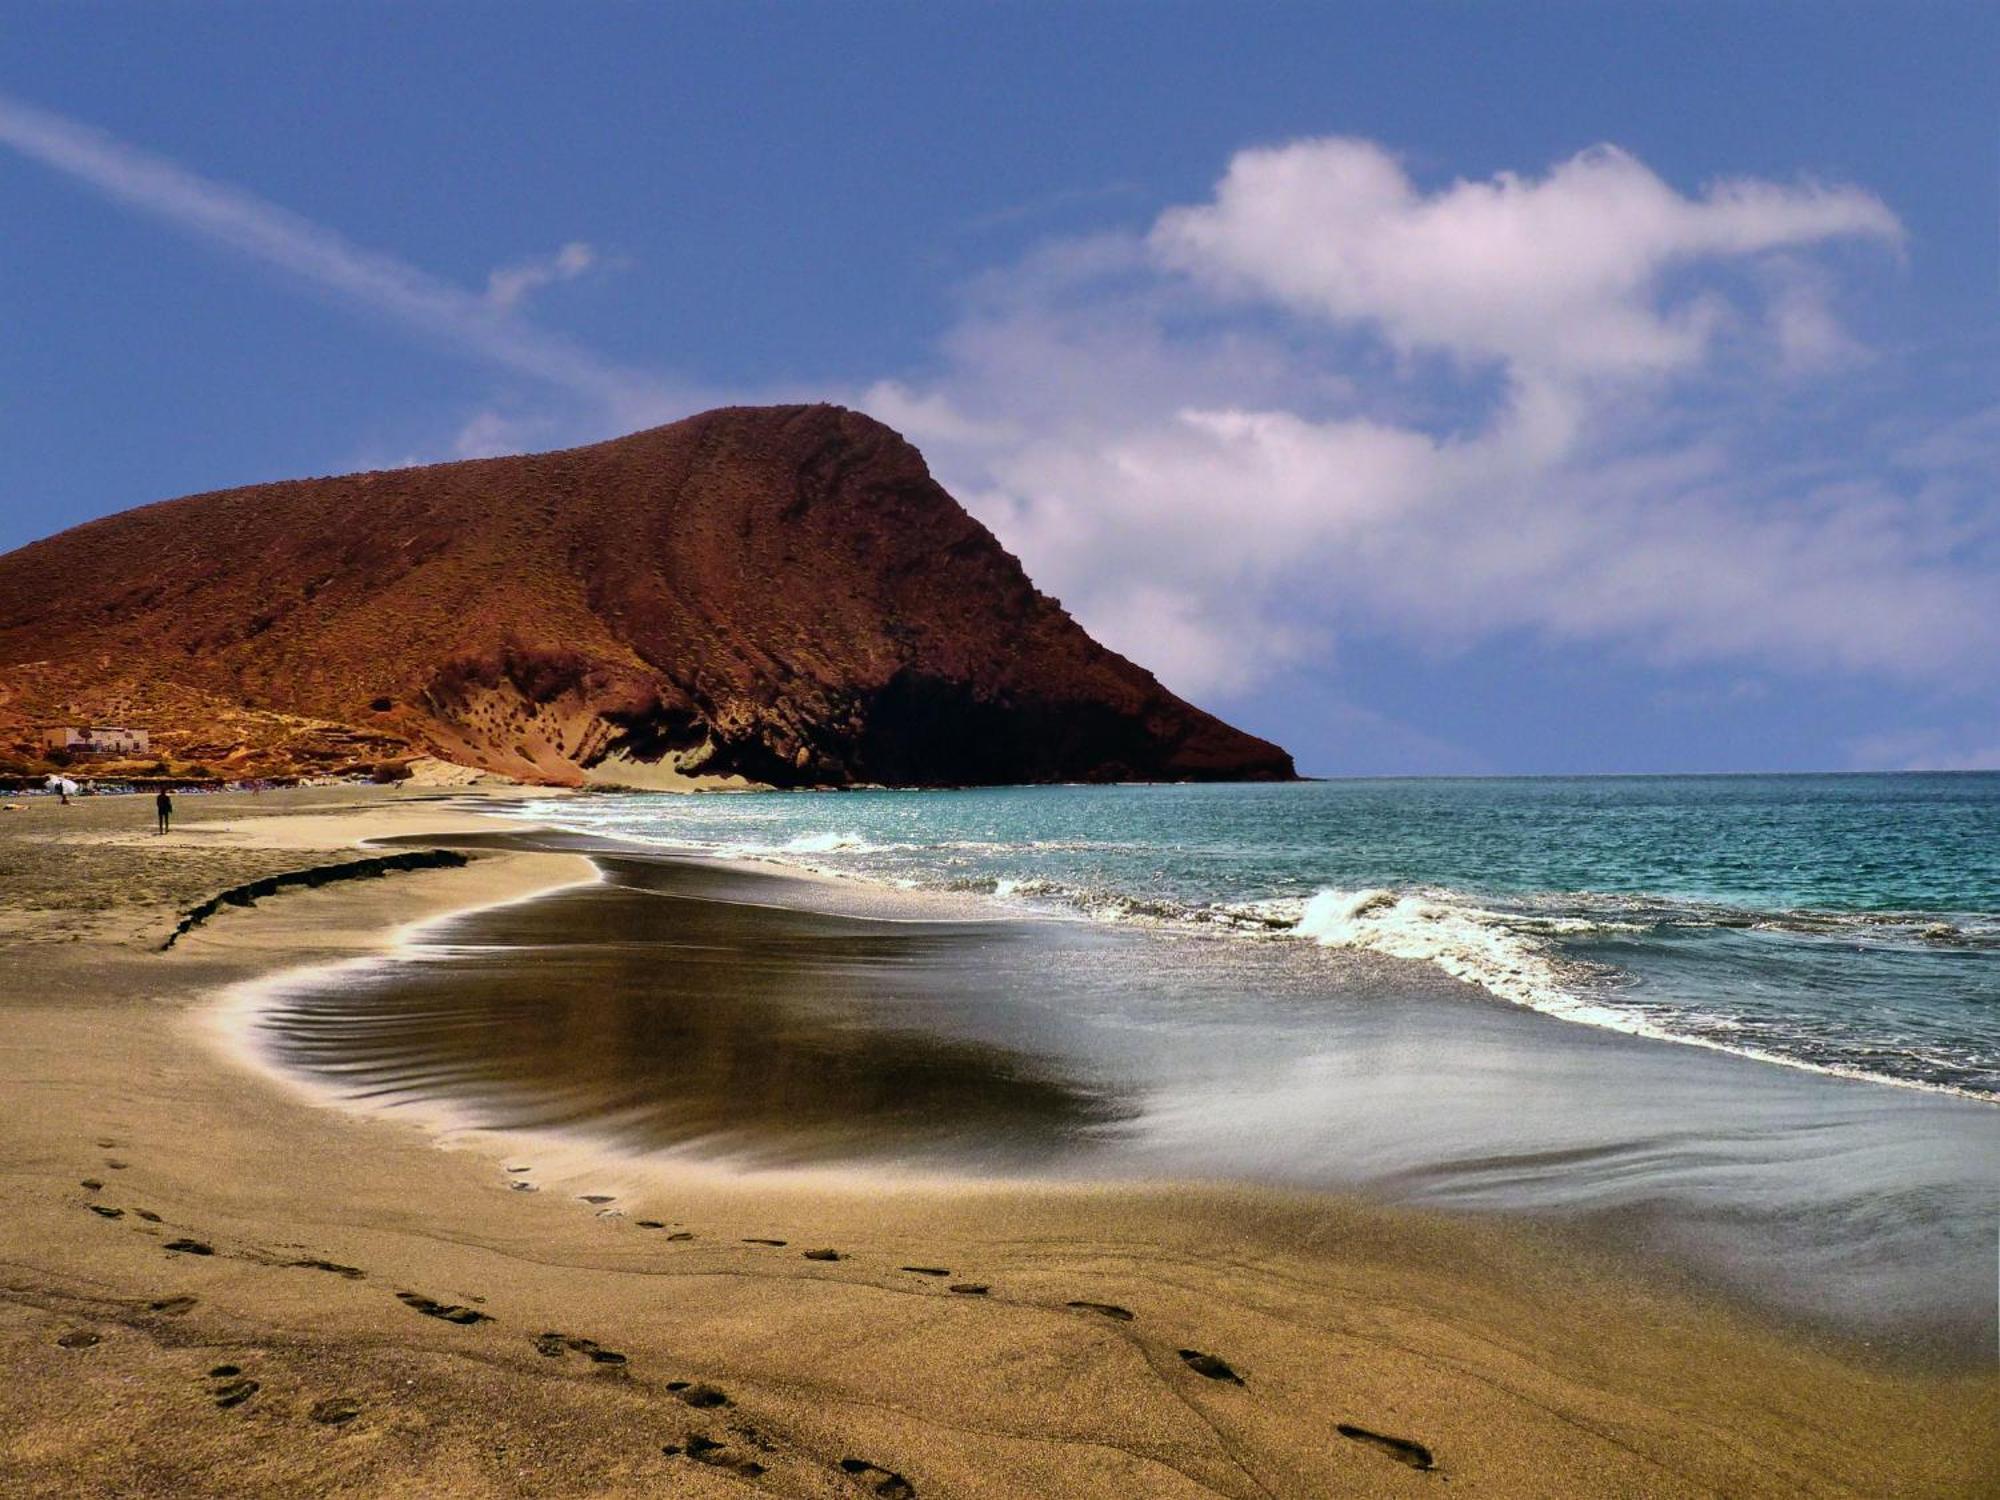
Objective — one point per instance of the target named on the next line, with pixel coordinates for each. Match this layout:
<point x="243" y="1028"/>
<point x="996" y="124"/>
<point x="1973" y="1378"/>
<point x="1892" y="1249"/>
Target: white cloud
<point x="508" y="286"/>
<point x="1967" y="445"/>
<point x="1808" y="337"/>
<point x="1557" y="276"/>
<point x="929" y="418"/>
<point x="1184" y="468"/>
<point x="277" y="237"/>
<point x="1203" y="639"/>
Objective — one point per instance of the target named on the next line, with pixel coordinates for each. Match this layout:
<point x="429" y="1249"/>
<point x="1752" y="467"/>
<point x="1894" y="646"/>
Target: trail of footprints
<point x="745" y="1451"/>
<point x="721" y="1453"/>
<point x="231" y="1386"/>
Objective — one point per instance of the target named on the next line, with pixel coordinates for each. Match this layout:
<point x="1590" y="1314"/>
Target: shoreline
<point x="222" y="1019"/>
<point x="1518" y="1374"/>
<point x="1494" y="940"/>
<point x="1618" y="1187"/>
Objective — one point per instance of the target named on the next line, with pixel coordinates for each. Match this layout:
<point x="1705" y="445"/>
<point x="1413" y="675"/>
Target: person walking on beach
<point x="164" y="805"/>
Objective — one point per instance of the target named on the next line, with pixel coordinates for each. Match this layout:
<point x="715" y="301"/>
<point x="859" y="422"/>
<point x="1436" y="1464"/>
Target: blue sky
<point x="1466" y="388"/>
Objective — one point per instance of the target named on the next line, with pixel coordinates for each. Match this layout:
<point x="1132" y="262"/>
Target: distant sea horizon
<point x="1623" y="775"/>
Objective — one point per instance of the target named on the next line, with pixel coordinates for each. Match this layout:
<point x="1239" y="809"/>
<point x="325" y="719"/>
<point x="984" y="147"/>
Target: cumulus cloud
<point x="1557" y="275"/>
<point x="1224" y="442"/>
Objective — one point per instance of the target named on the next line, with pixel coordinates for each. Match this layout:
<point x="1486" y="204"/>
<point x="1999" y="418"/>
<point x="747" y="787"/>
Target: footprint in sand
<point x="1209" y="1365"/>
<point x="971" y="1288"/>
<point x="449" y="1312"/>
<point x="555" y="1345"/>
<point x="148" y="1215"/>
<point x="116" y="1166"/>
<point x="706" y="1450"/>
<point x="352" y="1273"/>
<point x="189" y="1247"/>
<point x="763" y="1242"/>
<point x="885" y="1482"/>
<point x="520" y="1169"/>
<point x="103" y="1212"/>
<point x="1108" y="1309"/>
<point x="649" y="1223"/>
<point x="681" y="1234"/>
<point x="596" y="1198"/>
<point x="93" y="1183"/>
<point x="927" y="1270"/>
<point x="524" y="1187"/>
<point x="335" y="1410"/>
<point x="172" y="1307"/>
<point x="824" y="1255"/>
<point x="81" y="1338"/>
<point x="232" y="1387"/>
<point x="1416" y="1455"/>
<point x="698" y="1395"/>
<point x="106" y="1144"/>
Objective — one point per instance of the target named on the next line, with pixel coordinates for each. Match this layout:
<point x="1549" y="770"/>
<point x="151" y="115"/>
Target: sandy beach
<point x="216" y="1284"/>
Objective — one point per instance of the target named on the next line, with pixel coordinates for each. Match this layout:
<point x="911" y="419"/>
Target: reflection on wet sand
<point x="662" y="1018"/>
<point x="776" y="1021"/>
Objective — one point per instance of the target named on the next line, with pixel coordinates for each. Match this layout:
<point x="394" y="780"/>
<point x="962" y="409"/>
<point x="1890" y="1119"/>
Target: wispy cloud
<point x="1051" y="203"/>
<point x="508" y="286"/>
<point x="482" y="325"/>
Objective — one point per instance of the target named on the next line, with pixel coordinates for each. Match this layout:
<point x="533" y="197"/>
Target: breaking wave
<point x="1465" y="942"/>
<point x="830" y="843"/>
<point x="1751" y="977"/>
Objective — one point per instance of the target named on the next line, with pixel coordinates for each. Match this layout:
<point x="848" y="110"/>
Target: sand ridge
<point x="211" y="1286"/>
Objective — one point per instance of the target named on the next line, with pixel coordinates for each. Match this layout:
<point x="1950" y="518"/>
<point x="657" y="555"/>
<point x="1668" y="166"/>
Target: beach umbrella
<point x="62" y="784"/>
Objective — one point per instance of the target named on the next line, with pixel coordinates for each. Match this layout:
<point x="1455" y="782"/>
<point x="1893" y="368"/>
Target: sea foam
<point x="1464" y="941"/>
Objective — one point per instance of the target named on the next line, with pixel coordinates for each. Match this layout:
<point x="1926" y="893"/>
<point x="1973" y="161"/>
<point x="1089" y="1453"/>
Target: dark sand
<point x="283" y="1298"/>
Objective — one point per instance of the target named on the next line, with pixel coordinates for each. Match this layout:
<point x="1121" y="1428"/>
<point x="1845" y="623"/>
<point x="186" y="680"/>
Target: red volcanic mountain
<point x="779" y="593"/>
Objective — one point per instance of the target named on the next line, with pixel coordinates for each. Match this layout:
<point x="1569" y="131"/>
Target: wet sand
<point x="264" y="1295"/>
<point x="735" y="1013"/>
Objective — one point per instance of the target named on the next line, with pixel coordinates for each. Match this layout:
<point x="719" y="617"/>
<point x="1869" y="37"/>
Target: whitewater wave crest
<point x="1463" y="940"/>
<point x="830" y="843"/>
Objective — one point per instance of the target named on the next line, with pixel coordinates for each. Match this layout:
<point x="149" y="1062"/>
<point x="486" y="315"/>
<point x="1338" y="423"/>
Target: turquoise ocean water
<point x="1847" y="924"/>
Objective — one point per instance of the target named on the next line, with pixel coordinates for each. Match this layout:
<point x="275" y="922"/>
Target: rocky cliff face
<point x="782" y="594"/>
